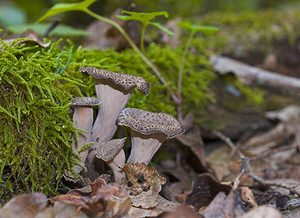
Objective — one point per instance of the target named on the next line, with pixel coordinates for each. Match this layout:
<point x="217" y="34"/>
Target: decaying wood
<point x="255" y="76"/>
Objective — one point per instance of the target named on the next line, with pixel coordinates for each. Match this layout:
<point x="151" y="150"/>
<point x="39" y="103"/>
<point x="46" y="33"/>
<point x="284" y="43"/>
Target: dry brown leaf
<point x="117" y="207"/>
<point x="140" y="212"/>
<point x="80" y="202"/>
<point x="165" y="205"/>
<point x="262" y="212"/>
<point x="232" y="205"/>
<point x="24" y="206"/>
<point x="215" y="208"/>
<point x="247" y="196"/>
<point x="182" y="212"/>
<point x="205" y="188"/>
<point x="66" y="210"/>
<point x="145" y="200"/>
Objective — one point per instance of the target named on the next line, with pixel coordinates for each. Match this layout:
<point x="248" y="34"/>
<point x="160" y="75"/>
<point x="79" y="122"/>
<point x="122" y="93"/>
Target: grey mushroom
<point x="148" y="131"/>
<point x="114" y="91"/>
<point x="83" y="120"/>
<point x="113" y="154"/>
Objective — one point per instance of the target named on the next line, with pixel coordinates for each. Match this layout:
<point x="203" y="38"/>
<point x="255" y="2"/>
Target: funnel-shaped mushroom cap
<point x="84" y="102"/>
<point x="148" y="123"/>
<point x="107" y="151"/>
<point x="124" y="80"/>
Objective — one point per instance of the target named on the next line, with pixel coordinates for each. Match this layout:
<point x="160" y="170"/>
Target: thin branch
<point x="293" y="187"/>
<point x="228" y="141"/>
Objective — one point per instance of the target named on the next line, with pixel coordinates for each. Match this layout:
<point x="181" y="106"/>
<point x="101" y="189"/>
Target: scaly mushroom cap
<point x="107" y="151"/>
<point x="124" y="80"/>
<point x="84" y="102"/>
<point x="148" y="123"/>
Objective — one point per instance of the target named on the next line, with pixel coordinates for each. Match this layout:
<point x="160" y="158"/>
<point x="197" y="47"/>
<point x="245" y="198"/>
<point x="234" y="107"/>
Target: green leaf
<point x="11" y="15"/>
<point x="144" y="18"/>
<point x="198" y="28"/>
<point x="41" y="28"/>
<point x="162" y="28"/>
<point x="65" y="7"/>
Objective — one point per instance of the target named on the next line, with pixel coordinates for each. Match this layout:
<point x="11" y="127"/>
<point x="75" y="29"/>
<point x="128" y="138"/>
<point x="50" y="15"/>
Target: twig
<point x="271" y="152"/>
<point x="254" y="75"/>
<point x="293" y="187"/>
<point x="229" y="143"/>
<point x="237" y="179"/>
<point x="53" y="25"/>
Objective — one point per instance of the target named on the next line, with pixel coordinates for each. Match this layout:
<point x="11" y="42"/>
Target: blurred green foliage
<point x="41" y="28"/>
<point x="247" y="31"/>
<point x="191" y="8"/>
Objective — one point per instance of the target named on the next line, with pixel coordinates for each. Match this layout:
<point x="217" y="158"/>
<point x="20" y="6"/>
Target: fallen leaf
<point x="66" y="210"/>
<point x="205" y="188"/>
<point x="24" y="206"/>
<point x="262" y="212"/>
<point x="182" y="212"/>
<point x="247" y="196"/>
<point x="215" y="208"/>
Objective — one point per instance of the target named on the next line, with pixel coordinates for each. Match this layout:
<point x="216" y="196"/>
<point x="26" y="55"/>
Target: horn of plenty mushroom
<point x="114" y="91"/>
<point x="148" y="131"/>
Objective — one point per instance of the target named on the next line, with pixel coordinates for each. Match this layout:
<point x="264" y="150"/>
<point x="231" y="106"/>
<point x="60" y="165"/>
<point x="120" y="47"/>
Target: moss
<point x="35" y="140"/>
<point x="253" y="30"/>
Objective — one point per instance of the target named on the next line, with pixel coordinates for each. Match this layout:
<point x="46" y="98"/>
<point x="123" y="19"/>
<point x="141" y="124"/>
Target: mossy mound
<point x="244" y="32"/>
<point x="36" y="129"/>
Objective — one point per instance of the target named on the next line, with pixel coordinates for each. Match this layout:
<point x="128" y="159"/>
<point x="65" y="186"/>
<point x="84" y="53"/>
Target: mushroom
<point x="113" y="154"/>
<point x="148" y="131"/>
<point x="114" y="91"/>
<point x="83" y="120"/>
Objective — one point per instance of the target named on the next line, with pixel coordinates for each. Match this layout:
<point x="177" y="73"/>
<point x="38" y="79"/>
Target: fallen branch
<point x="255" y="76"/>
<point x="289" y="184"/>
<point x="229" y="142"/>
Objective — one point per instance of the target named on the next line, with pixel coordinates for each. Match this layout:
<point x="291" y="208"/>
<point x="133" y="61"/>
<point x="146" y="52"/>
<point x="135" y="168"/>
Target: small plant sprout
<point x="148" y="131"/>
<point x="146" y="20"/>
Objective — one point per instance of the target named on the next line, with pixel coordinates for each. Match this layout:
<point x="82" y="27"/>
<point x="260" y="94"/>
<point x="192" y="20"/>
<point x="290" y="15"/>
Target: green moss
<point x="35" y="140"/>
<point x="253" y="30"/>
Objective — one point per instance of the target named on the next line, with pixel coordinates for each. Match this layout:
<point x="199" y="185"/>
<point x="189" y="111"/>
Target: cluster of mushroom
<point x="148" y="130"/>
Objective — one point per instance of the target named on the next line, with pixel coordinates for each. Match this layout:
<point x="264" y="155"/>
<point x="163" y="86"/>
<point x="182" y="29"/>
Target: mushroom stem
<point x="83" y="120"/>
<point x="116" y="164"/>
<point x="105" y="125"/>
<point x="144" y="147"/>
<point x="113" y="102"/>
